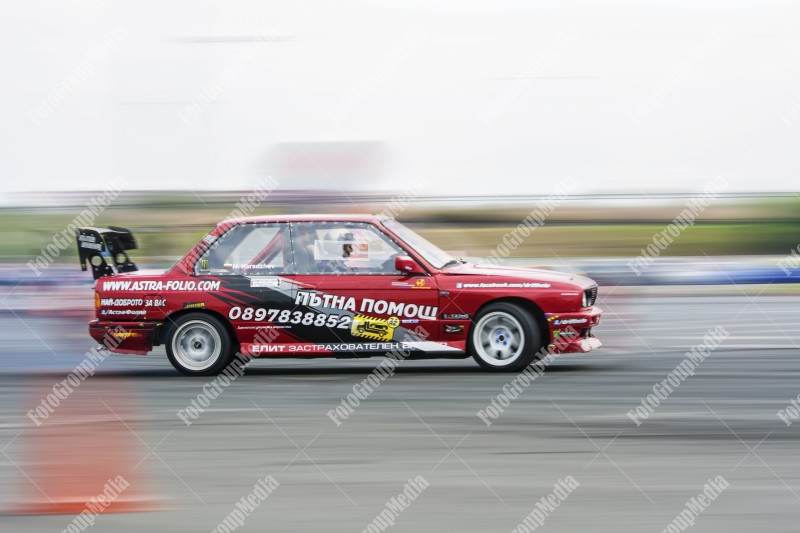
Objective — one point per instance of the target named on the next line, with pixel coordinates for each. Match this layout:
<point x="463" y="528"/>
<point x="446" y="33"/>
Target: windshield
<point x="429" y="251"/>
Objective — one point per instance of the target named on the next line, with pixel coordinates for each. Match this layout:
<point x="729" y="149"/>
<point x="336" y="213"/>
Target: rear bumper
<point x="572" y="332"/>
<point x="125" y="337"/>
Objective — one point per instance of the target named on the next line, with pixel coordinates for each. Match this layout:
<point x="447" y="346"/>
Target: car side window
<point x="249" y="249"/>
<point x="342" y="248"/>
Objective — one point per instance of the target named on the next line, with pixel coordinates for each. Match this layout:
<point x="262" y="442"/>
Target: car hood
<point x="534" y="274"/>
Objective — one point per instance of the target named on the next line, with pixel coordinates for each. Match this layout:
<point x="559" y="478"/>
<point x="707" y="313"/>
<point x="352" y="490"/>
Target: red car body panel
<point x="340" y="315"/>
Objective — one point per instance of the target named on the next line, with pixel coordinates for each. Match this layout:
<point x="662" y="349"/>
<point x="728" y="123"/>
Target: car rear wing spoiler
<point x="104" y="250"/>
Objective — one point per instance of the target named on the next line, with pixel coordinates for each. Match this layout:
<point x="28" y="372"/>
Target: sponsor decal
<point x="374" y="328"/>
<point x="420" y="283"/>
<point x="558" y="321"/>
<point x="325" y="250"/>
<point x="410" y="321"/>
<point x="121" y="302"/>
<point x="244" y="266"/>
<point x="287" y="316"/>
<point x="126" y="334"/>
<point x="155" y="302"/>
<point x="455" y="316"/>
<point x="313" y="299"/>
<point x="123" y="312"/>
<point x="454" y="328"/>
<point x="368" y="305"/>
<point x="569" y="321"/>
<point x="504" y="285"/>
<point x="565" y="333"/>
<point x="265" y="282"/>
<point x="399" y="503"/>
<point x="160" y="285"/>
<point x="194" y="305"/>
<point x="204" y="264"/>
<point x="89" y="242"/>
<point x="349" y="347"/>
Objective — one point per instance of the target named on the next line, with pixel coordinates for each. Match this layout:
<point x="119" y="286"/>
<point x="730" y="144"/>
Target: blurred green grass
<point x="165" y="233"/>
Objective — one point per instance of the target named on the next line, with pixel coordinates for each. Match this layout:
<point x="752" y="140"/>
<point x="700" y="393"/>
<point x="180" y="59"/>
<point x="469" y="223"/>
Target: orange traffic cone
<point x="82" y="451"/>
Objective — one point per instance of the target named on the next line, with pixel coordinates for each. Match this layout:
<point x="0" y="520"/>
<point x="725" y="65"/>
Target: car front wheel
<point x="199" y="345"/>
<point x="505" y="338"/>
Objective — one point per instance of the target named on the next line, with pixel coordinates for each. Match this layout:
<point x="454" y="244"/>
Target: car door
<point x="253" y="263"/>
<point x="345" y="272"/>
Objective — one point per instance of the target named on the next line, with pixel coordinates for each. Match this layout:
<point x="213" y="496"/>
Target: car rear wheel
<point x="199" y="345"/>
<point x="504" y="338"/>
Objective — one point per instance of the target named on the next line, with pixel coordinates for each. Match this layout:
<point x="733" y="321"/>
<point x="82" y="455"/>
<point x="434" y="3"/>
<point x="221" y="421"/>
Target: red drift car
<point x="330" y="286"/>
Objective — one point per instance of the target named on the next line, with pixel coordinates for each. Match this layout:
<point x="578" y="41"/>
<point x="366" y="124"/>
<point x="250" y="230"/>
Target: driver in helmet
<point x="340" y="264"/>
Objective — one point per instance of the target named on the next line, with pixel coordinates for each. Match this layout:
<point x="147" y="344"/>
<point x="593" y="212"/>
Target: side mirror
<point x="406" y="265"/>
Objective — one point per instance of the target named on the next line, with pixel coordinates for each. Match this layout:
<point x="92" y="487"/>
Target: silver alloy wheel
<point x="498" y="338"/>
<point x="196" y="345"/>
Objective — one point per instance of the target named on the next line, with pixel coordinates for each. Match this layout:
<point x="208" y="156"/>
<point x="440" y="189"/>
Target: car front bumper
<point x="572" y="332"/>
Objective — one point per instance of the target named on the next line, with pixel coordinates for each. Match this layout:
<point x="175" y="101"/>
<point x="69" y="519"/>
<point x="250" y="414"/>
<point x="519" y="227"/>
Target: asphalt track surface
<point x="422" y="421"/>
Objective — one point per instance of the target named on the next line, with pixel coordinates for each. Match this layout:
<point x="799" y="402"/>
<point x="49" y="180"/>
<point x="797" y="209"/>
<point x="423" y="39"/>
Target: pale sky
<point x="471" y="97"/>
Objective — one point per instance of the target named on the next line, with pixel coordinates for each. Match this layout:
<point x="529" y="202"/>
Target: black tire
<point x="199" y="344"/>
<point x="504" y="337"/>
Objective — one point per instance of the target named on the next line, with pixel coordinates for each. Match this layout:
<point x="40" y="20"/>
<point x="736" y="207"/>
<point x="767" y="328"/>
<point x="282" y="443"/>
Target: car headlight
<point x="584" y="300"/>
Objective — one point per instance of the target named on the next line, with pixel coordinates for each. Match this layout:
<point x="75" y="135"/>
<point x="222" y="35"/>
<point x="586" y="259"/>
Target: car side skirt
<point x="355" y="349"/>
